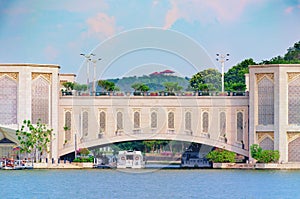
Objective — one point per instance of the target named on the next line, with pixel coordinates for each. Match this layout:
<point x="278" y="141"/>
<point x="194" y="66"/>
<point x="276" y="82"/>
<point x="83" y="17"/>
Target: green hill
<point x="155" y="82"/>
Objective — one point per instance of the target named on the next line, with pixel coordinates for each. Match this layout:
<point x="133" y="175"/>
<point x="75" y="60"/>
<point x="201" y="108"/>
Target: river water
<point x="146" y="183"/>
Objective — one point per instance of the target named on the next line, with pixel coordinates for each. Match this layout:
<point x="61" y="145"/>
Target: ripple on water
<point x="176" y="183"/>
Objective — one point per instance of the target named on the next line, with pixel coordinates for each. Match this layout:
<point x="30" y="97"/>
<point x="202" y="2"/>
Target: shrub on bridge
<point x="221" y="156"/>
<point x="83" y="152"/>
<point x="264" y="156"/>
<point x="84" y="159"/>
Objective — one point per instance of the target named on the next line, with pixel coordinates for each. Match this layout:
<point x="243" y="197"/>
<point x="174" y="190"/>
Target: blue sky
<point x="56" y="32"/>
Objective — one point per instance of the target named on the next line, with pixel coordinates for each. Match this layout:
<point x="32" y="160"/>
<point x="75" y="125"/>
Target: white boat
<point x="194" y="157"/>
<point x="130" y="159"/>
<point x="11" y="164"/>
<point x="23" y="164"/>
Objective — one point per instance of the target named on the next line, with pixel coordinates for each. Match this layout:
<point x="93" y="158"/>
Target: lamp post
<point x="87" y="57"/>
<point x="94" y="81"/>
<point x="222" y="58"/>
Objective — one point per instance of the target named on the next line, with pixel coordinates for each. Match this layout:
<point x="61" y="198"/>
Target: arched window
<point x="171" y="120"/>
<point x="40" y="100"/>
<point x="68" y="126"/>
<point x="136" y="119"/>
<point x="188" y="121"/>
<point x="222" y="124"/>
<point x="239" y="127"/>
<point x="265" y="102"/>
<point x="102" y="122"/>
<point x="119" y="120"/>
<point x="205" y="122"/>
<point x="85" y="123"/>
<point x="154" y="120"/>
<point x="294" y="102"/>
<point x="8" y="100"/>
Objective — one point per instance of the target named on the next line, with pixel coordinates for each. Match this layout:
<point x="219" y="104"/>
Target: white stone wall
<point x="25" y="76"/>
<point x="281" y="129"/>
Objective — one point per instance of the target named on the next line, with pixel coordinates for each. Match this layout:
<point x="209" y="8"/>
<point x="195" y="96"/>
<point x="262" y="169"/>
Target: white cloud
<point x="101" y="25"/>
<point x="289" y="9"/>
<point x="207" y="11"/>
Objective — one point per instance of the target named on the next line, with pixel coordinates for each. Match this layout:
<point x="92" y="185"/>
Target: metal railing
<point x="153" y="94"/>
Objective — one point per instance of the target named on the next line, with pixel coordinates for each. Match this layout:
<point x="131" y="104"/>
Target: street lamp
<point x="94" y="82"/>
<point x="222" y="58"/>
<point x="87" y="57"/>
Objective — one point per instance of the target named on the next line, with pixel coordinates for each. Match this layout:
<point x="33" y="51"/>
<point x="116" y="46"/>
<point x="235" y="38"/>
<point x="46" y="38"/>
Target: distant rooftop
<point x="165" y="72"/>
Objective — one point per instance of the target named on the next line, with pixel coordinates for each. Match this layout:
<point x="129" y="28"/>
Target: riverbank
<point x="258" y="166"/>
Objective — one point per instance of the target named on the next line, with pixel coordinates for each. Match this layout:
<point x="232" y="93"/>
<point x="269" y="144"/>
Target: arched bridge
<point x="201" y="139"/>
<point x="92" y="121"/>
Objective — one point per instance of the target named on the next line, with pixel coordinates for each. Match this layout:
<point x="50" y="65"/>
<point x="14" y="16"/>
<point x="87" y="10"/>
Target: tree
<point x="80" y="87"/>
<point x="196" y="81"/>
<point x="68" y="85"/>
<point x="144" y="88"/>
<point x="206" y="80"/>
<point x="34" y="138"/>
<point x="235" y="77"/>
<point x="107" y="85"/>
<point x="172" y="86"/>
<point x="291" y="57"/>
<point x="140" y="87"/>
<point x="221" y="156"/>
<point x="264" y="156"/>
<point x="136" y="86"/>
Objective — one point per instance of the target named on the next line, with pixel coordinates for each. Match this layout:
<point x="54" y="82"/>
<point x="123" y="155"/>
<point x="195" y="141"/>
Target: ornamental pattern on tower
<point x="40" y="97"/>
<point x="293" y="98"/>
<point x="8" y="98"/>
<point x="265" y="99"/>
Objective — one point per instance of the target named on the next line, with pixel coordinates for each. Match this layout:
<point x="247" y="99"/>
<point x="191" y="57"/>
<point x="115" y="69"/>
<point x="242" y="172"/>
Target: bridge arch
<point x="137" y="137"/>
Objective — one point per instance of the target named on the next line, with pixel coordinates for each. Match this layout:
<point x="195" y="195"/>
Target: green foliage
<point x="291" y="57"/>
<point x="34" y="138"/>
<point x="108" y="85"/>
<point x="140" y="87"/>
<point x="151" y="146"/>
<point x="172" y="86"/>
<point x="80" y="87"/>
<point x="84" y="159"/>
<point x="221" y="156"/>
<point x="255" y="151"/>
<point x="206" y="80"/>
<point x="234" y="79"/>
<point x="264" y="156"/>
<point x="154" y="82"/>
<point x="68" y="85"/>
<point x="83" y="151"/>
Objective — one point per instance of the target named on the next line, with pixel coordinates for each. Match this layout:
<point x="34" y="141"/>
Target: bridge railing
<point x="186" y="93"/>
